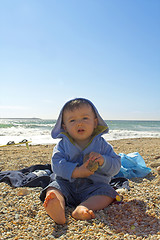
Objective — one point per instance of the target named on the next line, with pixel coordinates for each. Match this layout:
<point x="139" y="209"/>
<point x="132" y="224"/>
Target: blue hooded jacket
<point x="67" y="155"/>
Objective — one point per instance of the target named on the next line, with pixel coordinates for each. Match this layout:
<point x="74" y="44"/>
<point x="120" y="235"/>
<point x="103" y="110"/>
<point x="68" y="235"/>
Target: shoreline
<point x="23" y="216"/>
<point x="53" y="142"/>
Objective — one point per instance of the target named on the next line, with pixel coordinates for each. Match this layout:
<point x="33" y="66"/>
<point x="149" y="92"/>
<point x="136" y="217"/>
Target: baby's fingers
<point x="92" y="156"/>
<point x="86" y="163"/>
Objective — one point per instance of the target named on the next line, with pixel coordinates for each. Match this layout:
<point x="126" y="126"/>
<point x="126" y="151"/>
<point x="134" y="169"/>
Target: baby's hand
<point x="91" y="165"/>
<point x="82" y="171"/>
<point x="97" y="158"/>
<point x="94" y="161"/>
<point x="91" y="162"/>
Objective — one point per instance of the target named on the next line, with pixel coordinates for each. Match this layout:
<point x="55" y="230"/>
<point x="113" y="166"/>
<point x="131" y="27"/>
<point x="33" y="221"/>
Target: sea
<point x="39" y="130"/>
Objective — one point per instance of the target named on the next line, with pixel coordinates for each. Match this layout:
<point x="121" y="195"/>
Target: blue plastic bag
<point x="133" y="165"/>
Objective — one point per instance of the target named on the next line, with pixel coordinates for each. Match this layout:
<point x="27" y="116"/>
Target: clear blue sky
<point x="104" y="50"/>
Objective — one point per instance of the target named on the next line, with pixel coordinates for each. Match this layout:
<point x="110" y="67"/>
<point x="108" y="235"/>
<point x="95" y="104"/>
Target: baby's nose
<point x="79" y="122"/>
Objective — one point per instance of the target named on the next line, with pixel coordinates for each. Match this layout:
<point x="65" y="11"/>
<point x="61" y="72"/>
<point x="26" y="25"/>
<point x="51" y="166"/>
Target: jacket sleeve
<point x="60" y="163"/>
<point x="112" y="161"/>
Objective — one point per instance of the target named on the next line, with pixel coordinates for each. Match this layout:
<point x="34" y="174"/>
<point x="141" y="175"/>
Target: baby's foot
<point x="83" y="213"/>
<point x="54" y="208"/>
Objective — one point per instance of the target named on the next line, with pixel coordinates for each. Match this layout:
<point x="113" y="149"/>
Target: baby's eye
<point x="72" y="120"/>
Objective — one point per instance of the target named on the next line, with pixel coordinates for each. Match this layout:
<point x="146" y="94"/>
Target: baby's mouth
<point x="80" y="130"/>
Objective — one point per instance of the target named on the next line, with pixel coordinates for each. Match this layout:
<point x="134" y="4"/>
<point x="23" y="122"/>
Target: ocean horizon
<point x="38" y="130"/>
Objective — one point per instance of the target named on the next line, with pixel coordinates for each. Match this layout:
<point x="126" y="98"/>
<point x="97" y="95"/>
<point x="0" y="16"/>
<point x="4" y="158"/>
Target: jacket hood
<point x="58" y="129"/>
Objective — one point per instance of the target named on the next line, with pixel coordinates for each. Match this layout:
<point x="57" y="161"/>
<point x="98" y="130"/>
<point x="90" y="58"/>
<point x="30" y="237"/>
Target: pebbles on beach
<point x="22" y="215"/>
<point x="158" y="169"/>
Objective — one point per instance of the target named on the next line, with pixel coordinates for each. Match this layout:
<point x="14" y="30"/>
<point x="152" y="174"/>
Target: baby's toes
<point x="49" y="196"/>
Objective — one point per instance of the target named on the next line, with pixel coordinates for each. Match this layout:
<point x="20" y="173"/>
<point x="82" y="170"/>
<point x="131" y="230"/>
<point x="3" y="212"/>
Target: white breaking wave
<point x="124" y="134"/>
<point x="44" y="137"/>
<point x="39" y="131"/>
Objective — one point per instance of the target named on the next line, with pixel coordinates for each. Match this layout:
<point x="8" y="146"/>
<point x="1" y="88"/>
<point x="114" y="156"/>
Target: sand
<point x="22" y="215"/>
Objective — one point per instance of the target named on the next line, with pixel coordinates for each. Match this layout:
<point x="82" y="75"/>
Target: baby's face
<point x="80" y="123"/>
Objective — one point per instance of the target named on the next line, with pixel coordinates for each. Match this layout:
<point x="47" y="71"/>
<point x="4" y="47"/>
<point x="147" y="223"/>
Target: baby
<point x="83" y="163"/>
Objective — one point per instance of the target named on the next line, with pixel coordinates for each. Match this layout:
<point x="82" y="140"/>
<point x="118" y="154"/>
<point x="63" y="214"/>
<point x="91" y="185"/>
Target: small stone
<point x="92" y="165"/>
<point x="50" y="236"/>
<point x="158" y="169"/>
<point x="16" y="216"/>
<point x="29" y="228"/>
<point x="122" y="191"/>
<point x="23" y="192"/>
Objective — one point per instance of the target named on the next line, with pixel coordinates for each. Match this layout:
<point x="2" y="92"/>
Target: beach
<point x="22" y="215"/>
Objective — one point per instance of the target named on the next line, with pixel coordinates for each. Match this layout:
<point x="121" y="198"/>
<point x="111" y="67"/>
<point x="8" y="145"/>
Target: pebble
<point x="137" y="217"/>
<point x="158" y="169"/>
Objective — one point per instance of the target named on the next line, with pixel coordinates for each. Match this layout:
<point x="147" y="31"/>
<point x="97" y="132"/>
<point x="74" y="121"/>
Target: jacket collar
<point x="99" y="130"/>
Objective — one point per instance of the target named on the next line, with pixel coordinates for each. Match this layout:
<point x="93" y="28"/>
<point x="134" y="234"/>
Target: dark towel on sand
<point x="41" y="175"/>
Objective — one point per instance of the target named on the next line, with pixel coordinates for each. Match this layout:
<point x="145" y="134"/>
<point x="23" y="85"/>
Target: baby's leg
<point x="54" y="205"/>
<point x="84" y="211"/>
